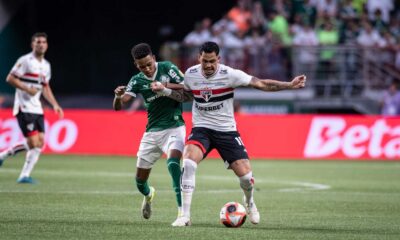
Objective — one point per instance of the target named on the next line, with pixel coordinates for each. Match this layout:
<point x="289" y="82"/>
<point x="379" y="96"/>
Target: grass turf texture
<point x="86" y="197"/>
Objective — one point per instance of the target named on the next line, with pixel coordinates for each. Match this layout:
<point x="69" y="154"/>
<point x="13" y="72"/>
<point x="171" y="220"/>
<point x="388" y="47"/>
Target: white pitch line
<point x="300" y="186"/>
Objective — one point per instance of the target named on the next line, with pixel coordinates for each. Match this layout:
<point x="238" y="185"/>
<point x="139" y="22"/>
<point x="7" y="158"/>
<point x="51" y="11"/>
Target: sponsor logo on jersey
<point x="164" y="78"/>
<point x="193" y="70"/>
<point x="223" y="71"/>
<point x="150" y="99"/>
<point x="210" y="108"/>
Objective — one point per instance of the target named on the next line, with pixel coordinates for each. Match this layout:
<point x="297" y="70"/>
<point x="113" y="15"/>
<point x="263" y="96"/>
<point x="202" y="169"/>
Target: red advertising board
<point x="265" y="136"/>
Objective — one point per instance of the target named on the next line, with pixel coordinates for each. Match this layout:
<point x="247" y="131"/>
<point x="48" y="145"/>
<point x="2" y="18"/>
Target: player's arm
<point x="14" y="81"/>
<point x="179" y="94"/>
<point x="274" y="85"/>
<point x="120" y="98"/>
<point x="49" y="96"/>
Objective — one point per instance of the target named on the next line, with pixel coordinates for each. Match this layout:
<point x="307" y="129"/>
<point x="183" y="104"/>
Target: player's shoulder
<point x="193" y="70"/>
<point x="25" y="58"/>
<point x="224" y="69"/>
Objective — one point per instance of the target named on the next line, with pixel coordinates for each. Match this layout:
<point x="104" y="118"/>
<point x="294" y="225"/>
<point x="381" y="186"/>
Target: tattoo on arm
<point x="181" y="95"/>
<point x="268" y="84"/>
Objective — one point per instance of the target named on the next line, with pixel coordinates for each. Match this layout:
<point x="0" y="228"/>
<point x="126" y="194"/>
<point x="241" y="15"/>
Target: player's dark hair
<point x="141" y="50"/>
<point x="209" y="47"/>
<point x="39" y="34"/>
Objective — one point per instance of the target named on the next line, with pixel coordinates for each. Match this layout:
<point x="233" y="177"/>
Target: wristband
<point x="166" y="91"/>
<point x="118" y="97"/>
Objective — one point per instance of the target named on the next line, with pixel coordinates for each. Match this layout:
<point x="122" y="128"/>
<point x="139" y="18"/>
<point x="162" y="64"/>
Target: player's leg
<point x="142" y="176"/>
<point x="192" y="155"/>
<point x="13" y="150"/>
<point x="35" y="143"/>
<point x="243" y="170"/>
<point x="148" y="154"/>
<point x="231" y="148"/>
<point x="173" y="145"/>
<point x="32" y="126"/>
<point x="23" y="121"/>
<point x="195" y="150"/>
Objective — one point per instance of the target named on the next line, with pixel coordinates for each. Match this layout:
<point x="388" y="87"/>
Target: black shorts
<point x="228" y="144"/>
<point x="30" y="123"/>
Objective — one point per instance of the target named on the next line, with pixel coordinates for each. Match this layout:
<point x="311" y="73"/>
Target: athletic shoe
<point x="182" y="222"/>
<point x="26" y="180"/>
<point x="252" y="211"/>
<point x="146" y="205"/>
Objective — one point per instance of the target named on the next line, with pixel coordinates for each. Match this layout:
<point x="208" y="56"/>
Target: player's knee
<point x="247" y="181"/>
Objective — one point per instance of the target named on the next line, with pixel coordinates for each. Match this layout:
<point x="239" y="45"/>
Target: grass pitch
<point x="82" y="197"/>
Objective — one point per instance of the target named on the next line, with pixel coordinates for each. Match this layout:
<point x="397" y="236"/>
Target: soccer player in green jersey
<point x="165" y="129"/>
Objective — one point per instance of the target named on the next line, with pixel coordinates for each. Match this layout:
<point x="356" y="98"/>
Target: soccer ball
<point x="232" y="214"/>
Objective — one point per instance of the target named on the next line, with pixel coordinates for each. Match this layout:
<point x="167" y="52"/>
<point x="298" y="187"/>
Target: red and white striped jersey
<point x="213" y="96"/>
<point x="34" y="73"/>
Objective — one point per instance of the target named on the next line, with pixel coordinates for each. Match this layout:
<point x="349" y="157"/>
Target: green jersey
<point x="162" y="112"/>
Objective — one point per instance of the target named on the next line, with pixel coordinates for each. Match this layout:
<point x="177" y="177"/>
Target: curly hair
<point x="141" y="50"/>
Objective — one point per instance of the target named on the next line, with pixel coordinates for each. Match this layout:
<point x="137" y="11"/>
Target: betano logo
<point x="332" y="135"/>
<point x="60" y="136"/>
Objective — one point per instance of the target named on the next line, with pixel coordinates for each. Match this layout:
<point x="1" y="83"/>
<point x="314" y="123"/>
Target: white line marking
<point x="299" y="186"/>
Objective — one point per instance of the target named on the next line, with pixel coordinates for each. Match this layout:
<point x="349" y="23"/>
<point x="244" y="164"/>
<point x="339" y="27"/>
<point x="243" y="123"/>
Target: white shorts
<point x="154" y="144"/>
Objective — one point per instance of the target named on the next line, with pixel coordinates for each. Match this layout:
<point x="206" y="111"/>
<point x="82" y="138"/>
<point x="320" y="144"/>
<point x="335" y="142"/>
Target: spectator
<point x="391" y="100"/>
<point x="241" y="15"/>
<point x="385" y="6"/>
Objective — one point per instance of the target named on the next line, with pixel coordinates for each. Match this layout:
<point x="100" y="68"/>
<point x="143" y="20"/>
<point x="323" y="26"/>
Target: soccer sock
<point x="22" y="146"/>
<point x="247" y="183"/>
<point x="174" y="169"/>
<point x="142" y="186"/>
<point x="188" y="183"/>
<point x="32" y="156"/>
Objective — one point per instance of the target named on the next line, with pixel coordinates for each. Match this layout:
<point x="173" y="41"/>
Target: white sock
<point x="247" y="183"/>
<point x="32" y="156"/>
<point x="188" y="182"/>
<point x="21" y="146"/>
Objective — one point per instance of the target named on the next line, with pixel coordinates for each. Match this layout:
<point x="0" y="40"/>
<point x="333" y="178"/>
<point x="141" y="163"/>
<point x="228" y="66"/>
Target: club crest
<point x="206" y="94"/>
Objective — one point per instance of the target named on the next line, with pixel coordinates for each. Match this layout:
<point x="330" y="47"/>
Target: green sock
<point x="174" y="169"/>
<point x="142" y="186"/>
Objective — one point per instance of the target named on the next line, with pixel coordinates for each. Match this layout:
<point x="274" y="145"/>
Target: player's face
<point x="146" y="65"/>
<point x="39" y="45"/>
<point x="209" y="63"/>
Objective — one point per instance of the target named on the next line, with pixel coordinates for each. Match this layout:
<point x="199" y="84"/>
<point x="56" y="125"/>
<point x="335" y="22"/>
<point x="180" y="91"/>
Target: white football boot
<point x="146" y="205"/>
<point x="252" y="211"/>
<point x="182" y="222"/>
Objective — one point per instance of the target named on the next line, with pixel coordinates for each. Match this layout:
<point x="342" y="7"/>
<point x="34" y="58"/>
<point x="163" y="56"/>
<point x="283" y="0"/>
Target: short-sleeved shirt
<point x="213" y="96"/>
<point x="33" y="73"/>
<point x="162" y="112"/>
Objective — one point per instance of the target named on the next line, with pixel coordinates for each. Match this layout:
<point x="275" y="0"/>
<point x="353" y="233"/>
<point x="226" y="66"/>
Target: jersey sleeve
<point x="175" y="74"/>
<point x="20" y="67"/>
<point x="239" y="78"/>
<point x="131" y="88"/>
<point x="48" y="75"/>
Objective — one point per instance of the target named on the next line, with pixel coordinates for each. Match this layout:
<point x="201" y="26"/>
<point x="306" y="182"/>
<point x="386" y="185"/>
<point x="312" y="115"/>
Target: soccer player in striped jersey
<point x="31" y="78"/>
<point x="165" y="130"/>
<point x="211" y="86"/>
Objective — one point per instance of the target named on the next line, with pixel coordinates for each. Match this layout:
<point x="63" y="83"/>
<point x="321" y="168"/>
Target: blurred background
<point x="349" y="49"/>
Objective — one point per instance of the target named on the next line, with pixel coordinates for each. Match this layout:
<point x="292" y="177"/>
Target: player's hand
<point x="298" y="82"/>
<point x="59" y="111"/>
<point x="157" y="86"/>
<point x="31" y="91"/>
<point x="119" y="91"/>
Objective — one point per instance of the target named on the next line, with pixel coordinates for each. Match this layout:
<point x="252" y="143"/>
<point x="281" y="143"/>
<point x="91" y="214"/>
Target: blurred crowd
<point x="268" y="27"/>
